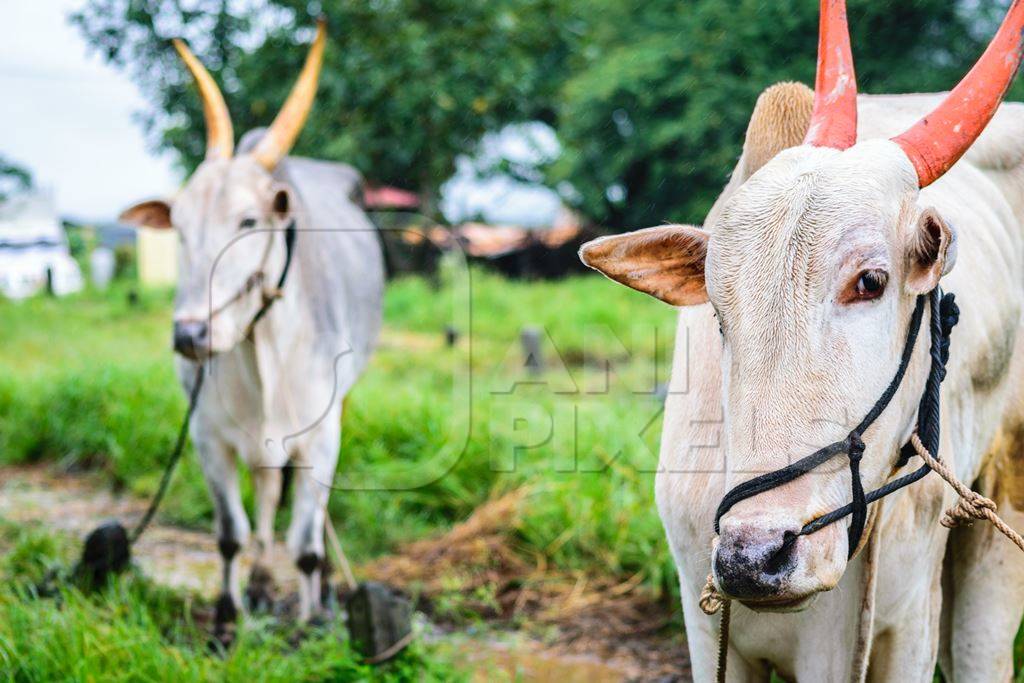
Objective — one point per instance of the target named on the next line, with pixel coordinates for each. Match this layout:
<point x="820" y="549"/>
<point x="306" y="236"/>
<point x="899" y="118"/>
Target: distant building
<point x="34" y="253"/>
<point x="384" y="198"/>
<point x="156" y="251"/>
<point x="157" y="254"/>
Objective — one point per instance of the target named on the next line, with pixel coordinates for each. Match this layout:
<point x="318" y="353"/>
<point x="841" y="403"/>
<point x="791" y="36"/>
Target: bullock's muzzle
<point x="192" y="339"/>
<point x="754" y="562"/>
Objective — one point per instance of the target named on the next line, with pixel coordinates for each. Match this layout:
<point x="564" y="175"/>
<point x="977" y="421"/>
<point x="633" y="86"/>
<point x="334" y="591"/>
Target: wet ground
<point x="187" y="559"/>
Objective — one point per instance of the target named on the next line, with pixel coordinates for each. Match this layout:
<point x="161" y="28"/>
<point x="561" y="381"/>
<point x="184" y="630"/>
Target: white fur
<point x="796" y="370"/>
<point x="276" y="398"/>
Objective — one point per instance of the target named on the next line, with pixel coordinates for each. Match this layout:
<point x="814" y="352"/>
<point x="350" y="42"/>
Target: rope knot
<point x="949" y="316"/>
<point x="711" y="600"/>
<point x="967" y="510"/>
<point x="949" y="313"/>
<point x="856" y="446"/>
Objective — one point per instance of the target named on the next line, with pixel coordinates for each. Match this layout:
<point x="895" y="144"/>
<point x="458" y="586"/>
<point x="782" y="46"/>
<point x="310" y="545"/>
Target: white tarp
<point x="34" y="249"/>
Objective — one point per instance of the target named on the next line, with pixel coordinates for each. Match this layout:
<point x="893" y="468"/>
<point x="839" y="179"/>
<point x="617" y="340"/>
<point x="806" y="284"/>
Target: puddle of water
<point x="522" y="665"/>
<point x="512" y="657"/>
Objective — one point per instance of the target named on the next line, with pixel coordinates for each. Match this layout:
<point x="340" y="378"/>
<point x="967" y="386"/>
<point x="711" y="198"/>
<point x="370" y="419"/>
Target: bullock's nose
<point x="755" y="562"/>
<point x="192" y="338"/>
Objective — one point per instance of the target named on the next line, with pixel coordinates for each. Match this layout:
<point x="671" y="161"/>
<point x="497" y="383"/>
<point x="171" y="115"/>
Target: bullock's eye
<point x="870" y="285"/>
<point x="247" y="223"/>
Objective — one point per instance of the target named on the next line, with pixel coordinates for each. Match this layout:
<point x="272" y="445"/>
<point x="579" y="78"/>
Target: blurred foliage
<point x="81" y="241"/>
<point x="126" y="262"/>
<point x="653" y="114"/>
<point x="407" y="84"/>
<point x="13" y="178"/>
<point x="649" y="99"/>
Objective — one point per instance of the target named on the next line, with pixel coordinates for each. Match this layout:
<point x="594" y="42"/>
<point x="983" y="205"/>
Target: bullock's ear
<point x="281" y="202"/>
<point x="151" y="214"/>
<point x="931" y="252"/>
<point x="666" y="262"/>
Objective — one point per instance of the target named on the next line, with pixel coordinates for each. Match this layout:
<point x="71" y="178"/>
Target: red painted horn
<point x="934" y="143"/>
<point x="834" y="117"/>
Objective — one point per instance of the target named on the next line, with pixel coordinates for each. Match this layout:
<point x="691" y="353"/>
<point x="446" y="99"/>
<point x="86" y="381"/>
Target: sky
<point x="68" y="117"/>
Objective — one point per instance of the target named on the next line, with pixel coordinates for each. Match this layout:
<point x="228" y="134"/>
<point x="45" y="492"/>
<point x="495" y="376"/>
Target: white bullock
<point x="279" y="297"/>
<point x="798" y="292"/>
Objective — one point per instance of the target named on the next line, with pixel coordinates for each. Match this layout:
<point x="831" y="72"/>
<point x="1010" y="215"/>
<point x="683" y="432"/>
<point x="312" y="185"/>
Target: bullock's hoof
<point x="259" y="594"/>
<point x="223" y="638"/>
<point x="318" y="623"/>
<point x="224" y="623"/>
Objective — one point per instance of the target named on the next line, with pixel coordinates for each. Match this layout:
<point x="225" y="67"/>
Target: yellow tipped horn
<point x="281" y="135"/>
<point x="220" y="137"/>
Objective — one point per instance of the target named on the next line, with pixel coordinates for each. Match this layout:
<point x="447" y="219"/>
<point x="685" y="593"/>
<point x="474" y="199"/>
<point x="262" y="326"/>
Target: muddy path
<point x="544" y="627"/>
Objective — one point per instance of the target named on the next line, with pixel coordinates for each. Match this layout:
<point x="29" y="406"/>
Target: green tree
<point x="407" y="86"/>
<point x="649" y="99"/>
<point x="652" y="119"/>
<point x="13" y="178"/>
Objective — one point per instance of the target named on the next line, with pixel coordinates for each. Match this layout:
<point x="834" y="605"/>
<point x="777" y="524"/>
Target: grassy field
<point x="133" y="630"/>
<point x="88" y="382"/>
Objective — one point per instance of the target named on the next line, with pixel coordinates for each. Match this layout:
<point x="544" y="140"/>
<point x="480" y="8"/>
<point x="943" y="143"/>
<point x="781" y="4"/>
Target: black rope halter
<point x="269" y="299"/>
<point x="944" y="315"/>
<point x="258" y="279"/>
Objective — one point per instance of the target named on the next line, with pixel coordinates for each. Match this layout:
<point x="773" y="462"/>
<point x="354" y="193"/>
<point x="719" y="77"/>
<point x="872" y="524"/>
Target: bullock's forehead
<point x="222" y="188"/>
<point x="781" y="237"/>
<point x="812" y="201"/>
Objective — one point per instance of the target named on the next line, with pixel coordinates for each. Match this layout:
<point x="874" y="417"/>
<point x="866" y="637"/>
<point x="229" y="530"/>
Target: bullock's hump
<point x="779" y="121"/>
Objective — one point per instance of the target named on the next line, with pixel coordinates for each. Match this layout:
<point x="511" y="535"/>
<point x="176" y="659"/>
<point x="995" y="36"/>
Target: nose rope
<point x="852" y="446"/>
<point x="924" y="442"/>
<point x="271" y="297"/>
<point x="259" y="277"/>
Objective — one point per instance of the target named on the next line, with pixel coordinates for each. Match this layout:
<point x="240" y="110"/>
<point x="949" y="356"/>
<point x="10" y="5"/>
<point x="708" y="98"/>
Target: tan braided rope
<point x="970" y="507"/>
<point x="710" y="599"/>
<point x="711" y="602"/>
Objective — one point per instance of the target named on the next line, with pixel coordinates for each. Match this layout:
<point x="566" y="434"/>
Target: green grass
<point x="88" y="381"/>
<point x="132" y="630"/>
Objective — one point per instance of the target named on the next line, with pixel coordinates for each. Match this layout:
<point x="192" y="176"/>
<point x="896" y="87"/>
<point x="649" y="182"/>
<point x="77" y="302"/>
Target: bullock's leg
<point x="908" y="652"/>
<point x="906" y="649"/>
<point x="988" y="585"/>
<point x="267" y="482"/>
<point x="230" y="524"/>
<point x="313" y="476"/>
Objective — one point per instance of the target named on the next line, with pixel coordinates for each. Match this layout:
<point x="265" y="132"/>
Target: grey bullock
<point x="279" y="361"/>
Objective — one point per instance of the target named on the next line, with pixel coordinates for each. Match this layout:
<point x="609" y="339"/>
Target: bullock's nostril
<point x="754" y="562"/>
<point x="783" y="556"/>
<point x="192" y="338"/>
